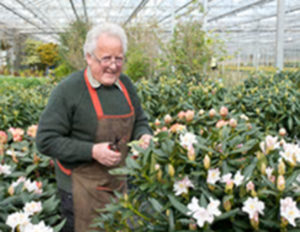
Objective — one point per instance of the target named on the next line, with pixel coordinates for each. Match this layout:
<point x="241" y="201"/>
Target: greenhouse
<point x="149" y="115"/>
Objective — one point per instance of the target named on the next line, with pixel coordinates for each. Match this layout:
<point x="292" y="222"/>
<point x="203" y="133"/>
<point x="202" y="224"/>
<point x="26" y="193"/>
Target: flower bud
<point x="255" y="221"/>
<point x="201" y="112"/>
<point x="167" y="119"/>
<point x="229" y="186"/>
<point x="181" y="115"/>
<point x="212" y="113"/>
<point x="125" y="197"/>
<point x="157" y="122"/>
<point x="159" y="175"/>
<point x="192" y="226"/>
<point x="171" y="170"/>
<point x="223" y="111"/>
<point x="167" y="212"/>
<point x="282" y="132"/>
<point x="280" y="183"/>
<point x="11" y="190"/>
<point x="36" y="159"/>
<point x="281" y="168"/>
<point x="156" y="167"/>
<point x="3" y="137"/>
<point x="206" y="162"/>
<point x="263" y="168"/>
<point x="232" y="123"/>
<point x="227" y="205"/>
<point x="189" y="115"/>
<point x="259" y="155"/>
<point x="191" y="153"/>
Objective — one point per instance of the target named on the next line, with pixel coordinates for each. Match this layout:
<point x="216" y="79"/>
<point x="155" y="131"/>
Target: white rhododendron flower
<point x="269" y="144"/>
<point x="5" y="169"/>
<point x="182" y="186"/>
<point x="199" y="213"/>
<point x="213" y="176"/>
<point x="238" y="178"/>
<point x="269" y="171"/>
<point x="202" y="214"/>
<point x="32" y="207"/>
<point x="250" y="186"/>
<point x="41" y="227"/>
<point x="226" y="178"/>
<point x="244" y="117"/>
<point x="187" y="140"/>
<point x="291" y="153"/>
<point x="32" y="187"/>
<point x="212" y="207"/>
<point x="17" y="219"/>
<point x="253" y="206"/>
<point x="289" y="210"/>
<point x="193" y="206"/>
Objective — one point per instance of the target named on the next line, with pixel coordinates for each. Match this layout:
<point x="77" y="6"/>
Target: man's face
<point x="106" y="62"/>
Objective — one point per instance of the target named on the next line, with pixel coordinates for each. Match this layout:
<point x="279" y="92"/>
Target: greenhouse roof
<point x="240" y="22"/>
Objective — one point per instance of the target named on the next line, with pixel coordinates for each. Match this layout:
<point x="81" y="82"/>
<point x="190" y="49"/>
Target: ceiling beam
<point x="136" y="11"/>
<point x="74" y="10"/>
<point x="240" y="9"/>
<point x="21" y="16"/>
<point x="84" y="10"/>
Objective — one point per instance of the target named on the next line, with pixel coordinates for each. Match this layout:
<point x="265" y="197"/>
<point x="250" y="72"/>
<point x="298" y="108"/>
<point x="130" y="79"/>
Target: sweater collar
<point x="96" y="84"/>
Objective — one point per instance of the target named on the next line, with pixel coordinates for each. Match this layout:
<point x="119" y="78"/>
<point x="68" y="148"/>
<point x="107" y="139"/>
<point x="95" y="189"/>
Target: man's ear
<point x="88" y="58"/>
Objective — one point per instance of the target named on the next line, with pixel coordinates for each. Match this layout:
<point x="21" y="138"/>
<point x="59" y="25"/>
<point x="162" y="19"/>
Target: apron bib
<point x="92" y="185"/>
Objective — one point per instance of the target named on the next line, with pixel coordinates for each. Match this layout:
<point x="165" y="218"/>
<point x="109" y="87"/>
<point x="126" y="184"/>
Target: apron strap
<point x="68" y="172"/>
<point x="94" y="96"/>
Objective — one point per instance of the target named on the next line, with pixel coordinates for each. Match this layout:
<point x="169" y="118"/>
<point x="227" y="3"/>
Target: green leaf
<point x="226" y="215"/>
<point x="59" y="226"/>
<point x="179" y="206"/>
<point x="121" y="171"/>
<point x="171" y="220"/>
<point x="292" y="178"/>
<point x="156" y="205"/>
<point x="50" y="204"/>
<point x="132" y="164"/>
<point x="250" y="168"/>
<point x="30" y="169"/>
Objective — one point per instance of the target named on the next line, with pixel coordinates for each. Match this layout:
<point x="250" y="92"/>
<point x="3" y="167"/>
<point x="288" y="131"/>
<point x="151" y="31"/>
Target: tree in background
<point x="191" y="49"/>
<point x="142" y="54"/>
<point x="71" y="45"/>
<point x="48" y="54"/>
<point x="30" y="56"/>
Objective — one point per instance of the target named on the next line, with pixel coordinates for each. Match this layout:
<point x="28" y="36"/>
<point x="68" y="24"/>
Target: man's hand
<point x="145" y="140"/>
<point x="105" y="156"/>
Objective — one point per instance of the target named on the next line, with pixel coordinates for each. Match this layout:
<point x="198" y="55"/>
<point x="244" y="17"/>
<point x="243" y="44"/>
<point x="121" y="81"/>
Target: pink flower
<point x="189" y="115"/>
<point x="223" y="111"/>
<point x="17" y="134"/>
<point x="3" y="137"/>
<point x="212" y="113"/>
<point x="31" y="131"/>
<point x="232" y="123"/>
<point x="167" y="119"/>
<point x="181" y="115"/>
<point x="221" y="123"/>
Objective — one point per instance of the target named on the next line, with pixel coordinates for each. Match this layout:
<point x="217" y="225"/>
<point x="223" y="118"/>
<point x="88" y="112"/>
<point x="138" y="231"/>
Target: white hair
<point x="93" y="35"/>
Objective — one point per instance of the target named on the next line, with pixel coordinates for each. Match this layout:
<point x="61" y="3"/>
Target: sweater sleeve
<point x="54" y="131"/>
<point x="141" y="125"/>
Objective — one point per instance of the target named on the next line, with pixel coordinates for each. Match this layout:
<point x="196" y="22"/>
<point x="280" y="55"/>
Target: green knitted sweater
<point x="68" y="124"/>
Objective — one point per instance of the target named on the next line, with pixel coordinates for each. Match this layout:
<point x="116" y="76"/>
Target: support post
<point x="280" y="34"/>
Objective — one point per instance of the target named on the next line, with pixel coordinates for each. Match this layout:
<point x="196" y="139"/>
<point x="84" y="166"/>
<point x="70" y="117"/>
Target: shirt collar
<point x="96" y="84"/>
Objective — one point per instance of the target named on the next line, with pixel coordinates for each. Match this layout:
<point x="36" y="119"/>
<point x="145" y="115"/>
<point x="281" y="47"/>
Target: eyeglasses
<point x="108" y="60"/>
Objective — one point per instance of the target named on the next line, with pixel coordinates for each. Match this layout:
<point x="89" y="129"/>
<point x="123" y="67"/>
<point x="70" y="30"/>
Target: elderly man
<point x="90" y="117"/>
